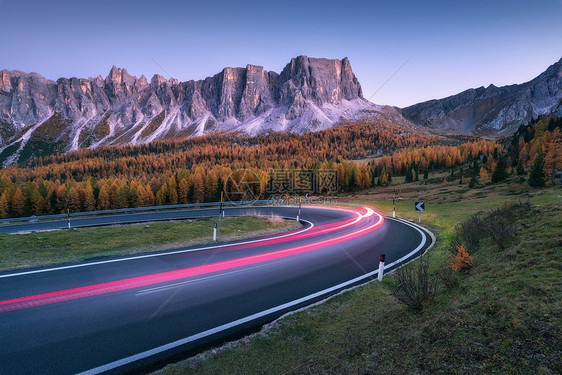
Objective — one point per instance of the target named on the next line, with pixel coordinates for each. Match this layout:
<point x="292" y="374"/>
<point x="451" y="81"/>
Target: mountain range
<point x="40" y="116"/>
<point x="492" y="110"/>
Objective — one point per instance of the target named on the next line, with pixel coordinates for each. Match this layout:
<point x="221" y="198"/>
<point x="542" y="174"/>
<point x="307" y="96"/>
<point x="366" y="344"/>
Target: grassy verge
<point x="63" y="246"/>
<point x="503" y="317"/>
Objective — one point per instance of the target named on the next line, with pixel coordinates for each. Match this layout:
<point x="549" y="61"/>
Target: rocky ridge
<point x="492" y="110"/>
<point x="39" y="116"/>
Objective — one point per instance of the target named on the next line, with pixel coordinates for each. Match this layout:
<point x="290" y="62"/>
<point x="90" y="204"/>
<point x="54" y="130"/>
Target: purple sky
<point x="453" y="45"/>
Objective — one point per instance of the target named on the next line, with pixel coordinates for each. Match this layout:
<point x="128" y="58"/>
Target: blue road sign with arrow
<point x="420" y="206"/>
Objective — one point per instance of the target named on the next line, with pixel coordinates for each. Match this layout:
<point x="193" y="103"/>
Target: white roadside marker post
<point x="215" y="232"/>
<point x="68" y="213"/>
<point x="299" y="214"/>
<point x="394" y="204"/>
<point x="381" y="267"/>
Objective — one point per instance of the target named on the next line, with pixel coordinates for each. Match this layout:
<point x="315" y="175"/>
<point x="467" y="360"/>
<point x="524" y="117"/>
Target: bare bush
<point x="415" y="286"/>
<point x="447" y="277"/>
<point x="503" y="213"/>
<point x="501" y="230"/>
<point x="472" y="231"/>
<point x="499" y="223"/>
<point x="276" y="220"/>
<point x="521" y="207"/>
<point x="510" y="212"/>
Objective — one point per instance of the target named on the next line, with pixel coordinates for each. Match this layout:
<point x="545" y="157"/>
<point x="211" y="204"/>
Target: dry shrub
<point x="462" y="259"/>
<point x="501" y="230"/>
<point x="510" y="211"/>
<point x="447" y="277"/>
<point x="499" y="223"/>
<point x="414" y="284"/>
<point x="472" y="231"/>
<point x="276" y="220"/>
<point x="503" y="213"/>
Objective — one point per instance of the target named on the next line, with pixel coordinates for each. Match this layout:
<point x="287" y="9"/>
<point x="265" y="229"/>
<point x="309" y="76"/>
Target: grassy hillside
<point x="503" y="316"/>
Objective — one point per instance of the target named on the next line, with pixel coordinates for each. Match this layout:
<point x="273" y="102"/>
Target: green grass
<point x="504" y="317"/>
<point x="64" y="246"/>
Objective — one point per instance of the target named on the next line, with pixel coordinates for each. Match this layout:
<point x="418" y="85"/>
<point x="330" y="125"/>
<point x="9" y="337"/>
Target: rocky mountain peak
<point x="126" y="78"/>
<point x="157" y="80"/>
<point x="320" y="80"/>
<point x="120" y="76"/>
<point x="142" y="82"/>
<point x="254" y="68"/>
<point x="309" y="94"/>
<point x="114" y="75"/>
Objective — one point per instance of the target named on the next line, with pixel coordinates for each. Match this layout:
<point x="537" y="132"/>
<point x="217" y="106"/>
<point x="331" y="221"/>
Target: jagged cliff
<point x="39" y="116"/>
<point x="492" y="110"/>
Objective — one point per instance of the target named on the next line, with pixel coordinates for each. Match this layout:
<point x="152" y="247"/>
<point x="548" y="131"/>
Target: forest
<point x="364" y="153"/>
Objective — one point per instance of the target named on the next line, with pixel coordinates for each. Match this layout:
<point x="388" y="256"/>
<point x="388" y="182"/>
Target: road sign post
<point x="420" y="206"/>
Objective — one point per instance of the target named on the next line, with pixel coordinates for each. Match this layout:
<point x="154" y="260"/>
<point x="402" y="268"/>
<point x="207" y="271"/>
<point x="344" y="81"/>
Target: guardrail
<point x="136" y="209"/>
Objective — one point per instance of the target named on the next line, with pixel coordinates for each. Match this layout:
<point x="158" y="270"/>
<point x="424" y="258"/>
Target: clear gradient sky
<point x="455" y="44"/>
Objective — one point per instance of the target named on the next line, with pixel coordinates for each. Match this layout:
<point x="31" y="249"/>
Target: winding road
<point x="121" y="315"/>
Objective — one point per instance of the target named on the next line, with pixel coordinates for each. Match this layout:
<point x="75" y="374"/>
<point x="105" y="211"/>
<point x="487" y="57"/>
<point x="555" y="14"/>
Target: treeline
<point x="536" y="150"/>
<point x="197" y="170"/>
<point x="348" y="141"/>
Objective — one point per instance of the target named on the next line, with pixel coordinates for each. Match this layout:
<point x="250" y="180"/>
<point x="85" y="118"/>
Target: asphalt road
<point x="121" y="315"/>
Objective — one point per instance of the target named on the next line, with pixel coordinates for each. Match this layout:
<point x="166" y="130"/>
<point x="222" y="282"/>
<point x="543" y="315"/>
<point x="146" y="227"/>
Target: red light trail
<point x="136" y="282"/>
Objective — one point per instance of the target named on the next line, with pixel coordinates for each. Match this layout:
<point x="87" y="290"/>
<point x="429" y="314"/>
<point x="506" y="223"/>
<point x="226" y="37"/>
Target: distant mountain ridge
<point x="40" y="116"/>
<point x="491" y="110"/>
